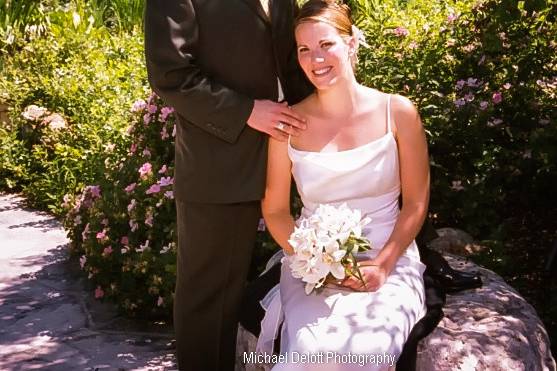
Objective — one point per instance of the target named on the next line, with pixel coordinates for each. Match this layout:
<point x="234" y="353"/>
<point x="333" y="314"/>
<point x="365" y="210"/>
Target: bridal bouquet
<point x="325" y="245"/>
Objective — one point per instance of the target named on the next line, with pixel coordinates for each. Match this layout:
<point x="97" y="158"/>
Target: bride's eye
<point x="302" y="49"/>
<point x="327" y="44"/>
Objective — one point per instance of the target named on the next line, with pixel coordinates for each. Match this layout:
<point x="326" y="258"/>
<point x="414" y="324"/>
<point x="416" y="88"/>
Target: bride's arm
<point x="276" y="203"/>
<point x="414" y="178"/>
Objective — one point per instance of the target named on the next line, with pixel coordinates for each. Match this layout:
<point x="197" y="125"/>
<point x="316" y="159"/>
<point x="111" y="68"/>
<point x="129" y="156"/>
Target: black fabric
<point x="207" y="303"/>
<point x="435" y="300"/>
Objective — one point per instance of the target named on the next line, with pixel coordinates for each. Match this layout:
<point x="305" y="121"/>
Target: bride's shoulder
<point x="404" y="115"/>
<point x="304" y="106"/>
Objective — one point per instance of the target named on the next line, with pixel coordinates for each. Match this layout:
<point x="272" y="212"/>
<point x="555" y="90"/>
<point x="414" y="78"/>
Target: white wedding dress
<point x="338" y="322"/>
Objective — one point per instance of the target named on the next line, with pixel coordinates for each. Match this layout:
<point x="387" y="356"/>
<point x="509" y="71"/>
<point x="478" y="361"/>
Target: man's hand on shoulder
<point x="276" y="119"/>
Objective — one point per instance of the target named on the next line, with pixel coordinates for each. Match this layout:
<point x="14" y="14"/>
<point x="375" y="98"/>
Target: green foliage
<point x="456" y="62"/>
<point x="123" y="227"/>
<point x="483" y="75"/>
<point x="90" y="78"/>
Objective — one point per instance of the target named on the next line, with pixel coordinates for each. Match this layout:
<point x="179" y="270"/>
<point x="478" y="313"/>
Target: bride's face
<point x="323" y="53"/>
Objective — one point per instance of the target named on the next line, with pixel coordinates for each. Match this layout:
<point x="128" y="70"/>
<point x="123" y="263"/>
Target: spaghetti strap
<point x="389" y="113"/>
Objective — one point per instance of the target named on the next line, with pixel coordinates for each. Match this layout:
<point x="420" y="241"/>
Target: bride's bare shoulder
<point x="305" y="106"/>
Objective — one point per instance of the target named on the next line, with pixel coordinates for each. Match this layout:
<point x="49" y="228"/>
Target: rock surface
<point x="455" y="241"/>
<point x="48" y="320"/>
<point x="490" y="328"/>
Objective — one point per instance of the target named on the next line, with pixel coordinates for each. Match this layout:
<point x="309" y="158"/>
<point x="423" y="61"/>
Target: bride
<point x="364" y="148"/>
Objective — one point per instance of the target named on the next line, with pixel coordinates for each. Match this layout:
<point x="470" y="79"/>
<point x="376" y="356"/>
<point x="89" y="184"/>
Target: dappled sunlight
<point x="48" y="320"/>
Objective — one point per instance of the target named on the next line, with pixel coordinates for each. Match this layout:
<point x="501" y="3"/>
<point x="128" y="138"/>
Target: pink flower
<point x="131" y="205"/>
<point x="401" y="31"/>
<point x="133" y="225"/>
<point x="451" y="17"/>
<point x="152" y="108"/>
<point x="507" y="86"/>
<point x="166" y="181"/>
<point x="495" y="122"/>
<point x="155" y="188"/>
<point x="165" y="111"/>
<point x="163" y="169"/>
<point x="483" y="105"/>
<point x="133" y="148"/>
<point x="460" y="84"/>
<point x="101" y="235"/>
<point x="149" y="220"/>
<point x="94" y="190"/>
<point x="130" y="188"/>
<point x="160" y="301"/>
<point x="146" y="119"/>
<point x="469" y="97"/>
<point x="145" y="170"/>
<point x="107" y="251"/>
<point x="472" y="82"/>
<point x="82" y="261"/>
<point x="124" y="240"/>
<point x="413" y="45"/>
<point x="152" y="97"/>
<point x="169" y="194"/>
<point x="459" y="102"/>
<point x="99" y="293"/>
<point x="497" y="97"/>
<point x="164" y="133"/>
<point x="146" y="152"/>
<point x="138" y="105"/>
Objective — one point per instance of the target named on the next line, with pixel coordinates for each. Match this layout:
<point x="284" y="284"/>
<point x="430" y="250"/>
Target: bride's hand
<point x="374" y="276"/>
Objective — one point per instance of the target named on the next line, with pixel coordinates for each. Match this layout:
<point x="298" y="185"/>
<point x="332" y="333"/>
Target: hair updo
<point x="331" y="12"/>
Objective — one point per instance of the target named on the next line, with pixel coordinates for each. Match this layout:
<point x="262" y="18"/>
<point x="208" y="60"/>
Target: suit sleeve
<point x="171" y="39"/>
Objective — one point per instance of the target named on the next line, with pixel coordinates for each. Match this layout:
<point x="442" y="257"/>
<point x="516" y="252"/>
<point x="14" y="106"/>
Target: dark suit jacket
<point x="209" y="59"/>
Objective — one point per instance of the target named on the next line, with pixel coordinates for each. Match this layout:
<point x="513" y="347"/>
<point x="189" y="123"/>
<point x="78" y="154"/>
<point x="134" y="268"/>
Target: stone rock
<point x="455" y="241"/>
<point x="48" y="321"/>
<point x="490" y="328"/>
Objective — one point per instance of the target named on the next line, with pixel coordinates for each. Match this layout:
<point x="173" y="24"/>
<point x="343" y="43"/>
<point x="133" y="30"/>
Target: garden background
<point x="82" y="136"/>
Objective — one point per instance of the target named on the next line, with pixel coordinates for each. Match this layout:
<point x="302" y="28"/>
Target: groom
<point x="219" y="63"/>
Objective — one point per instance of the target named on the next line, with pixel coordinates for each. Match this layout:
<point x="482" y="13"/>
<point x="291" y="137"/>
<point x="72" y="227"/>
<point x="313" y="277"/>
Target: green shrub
<point x="123" y="227"/>
<point x="90" y="77"/>
<point x="484" y="80"/>
<point x="483" y="76"/>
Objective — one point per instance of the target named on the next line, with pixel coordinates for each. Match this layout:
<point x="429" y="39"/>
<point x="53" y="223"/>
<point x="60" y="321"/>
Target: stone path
<point x="48" y="320"/>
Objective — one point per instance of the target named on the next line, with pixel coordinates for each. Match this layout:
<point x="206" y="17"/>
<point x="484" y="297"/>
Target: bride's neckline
<point x="387" y="135"/>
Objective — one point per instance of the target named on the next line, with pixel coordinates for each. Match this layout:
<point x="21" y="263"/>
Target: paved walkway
<point x="48" y="321"/>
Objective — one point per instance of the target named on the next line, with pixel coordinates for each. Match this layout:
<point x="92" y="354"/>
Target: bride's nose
<point x="317" y="57"/>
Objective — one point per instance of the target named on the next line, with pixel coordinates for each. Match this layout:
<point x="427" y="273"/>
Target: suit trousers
<point x="215" y="244"/>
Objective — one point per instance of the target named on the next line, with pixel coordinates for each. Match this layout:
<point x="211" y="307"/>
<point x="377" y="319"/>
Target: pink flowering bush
<point x="123" y="227"/>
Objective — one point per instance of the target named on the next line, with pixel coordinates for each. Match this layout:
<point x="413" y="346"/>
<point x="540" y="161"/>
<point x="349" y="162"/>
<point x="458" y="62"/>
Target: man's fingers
<point x="293" y="121"/>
